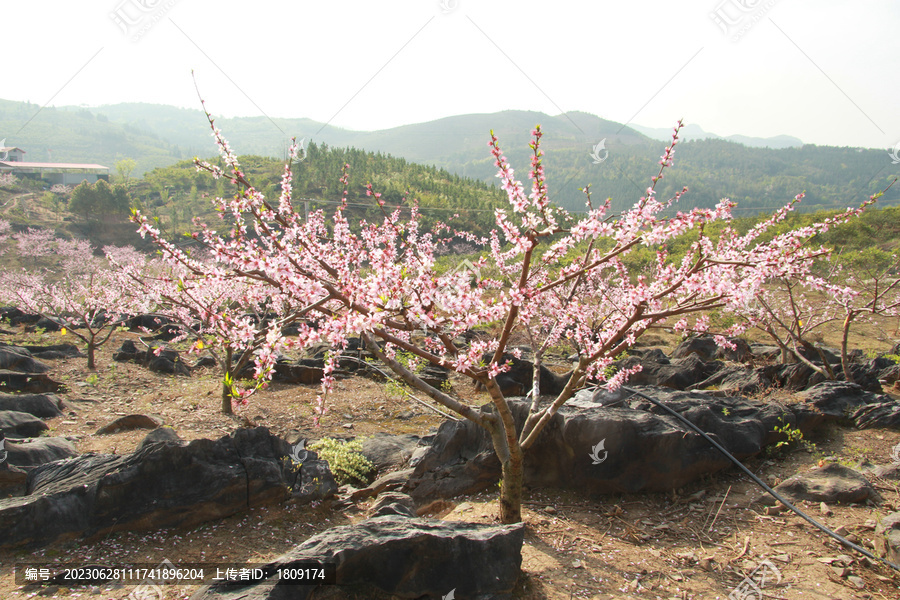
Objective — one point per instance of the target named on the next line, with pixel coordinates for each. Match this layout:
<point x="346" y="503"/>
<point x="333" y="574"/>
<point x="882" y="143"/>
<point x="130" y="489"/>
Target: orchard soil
<point x="696" y="542"/>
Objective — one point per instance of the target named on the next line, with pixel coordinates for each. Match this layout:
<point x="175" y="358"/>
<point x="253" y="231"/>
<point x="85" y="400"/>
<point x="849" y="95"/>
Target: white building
<point x="12" y="161"/>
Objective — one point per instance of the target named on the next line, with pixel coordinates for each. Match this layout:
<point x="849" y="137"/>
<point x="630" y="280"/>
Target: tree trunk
<point x="226" y="399"/>
<point x="509" y="451"/>
<point x="90" y="350"/>
<point x="845" y="359"/>
<point x="511" y="487"/>
<point x="227" y="382"/>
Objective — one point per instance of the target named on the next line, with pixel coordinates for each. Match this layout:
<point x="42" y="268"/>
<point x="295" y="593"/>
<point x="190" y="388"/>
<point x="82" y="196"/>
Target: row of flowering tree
<point x="554" y="278"/>
<point x="850" y="288"/>
<point x="68" y="283"/>
<point x="215" y="311"/>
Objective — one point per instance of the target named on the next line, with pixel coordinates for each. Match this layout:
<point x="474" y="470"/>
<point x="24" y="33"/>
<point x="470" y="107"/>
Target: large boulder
<point x="678" y="373"/>
<point x="289" y="372"/>
<point x="887" y="537"/>
<point x="397" y="555"/>
<point x="53" y="351"/>
<point x="166" y="361"/>
<point x="832" y="484"/>
<point x="162" y="484"/>
<point x="706" y="349"/>
<point x="838" y="400"/>
<point x="388" y="452"/>
<point x="738" y="379"/>
<point x="518" y="379"/>
<point x="147" y="322"/>
<point x="129" y="352"/>
<point x="601" y="447"/>
<point x="156" y="359"/>
<point x="45" y="406"/>
<point x="20" y="424"/>
<point x="32" y="383"/>
<point x="15" y="358"/>
<point x="130" y="423"/>
<point x="883" y="415"/>
<point x="17" y="316"/>
<point x="32" y="452"/>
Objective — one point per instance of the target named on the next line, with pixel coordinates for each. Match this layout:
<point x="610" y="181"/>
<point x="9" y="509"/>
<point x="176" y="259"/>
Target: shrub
<point x="346" y="460"/>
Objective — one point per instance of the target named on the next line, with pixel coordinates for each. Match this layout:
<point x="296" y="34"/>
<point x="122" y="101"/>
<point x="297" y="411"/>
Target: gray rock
<point x="287" y="372"/>
<point x="738" y="379"/>
<point x="884" y="415"/>
<point x="891" y="471"/>
<point x="313" y="480"/>
<point x="12" y="480"/>
<point x="129" y="352"/>
<point x="887" y="537"/>
<point x="159" y="485"/>
<point x="833" y="483"/>
<point x="706" y="349"/>
<point x="164" y="361"/>
<point x="389" y="452"/>
<point x="32" y="452"/>
<point x="385" y="483"/>
<point x="408" y="558"/>
<point x="205" y="361"/>
<point x="165" y="435"/>
<point x="645" y="450"/>
<point x="21" y="424"/>
<point x="45" y="406"/>
<point x="393" y="503"/>
<point x="54" y="351"/>
<point x="677" y="373"/>
<point x="839" y="399"/>
<point x="417" y="455"/>
<point x="47" y="324"/>
<point x="704" y="346"/>
<point x="131" y="422"/>
<point x="32" y="383"/>
<point x="518" y="379"/>
<point x="16" y="358"/>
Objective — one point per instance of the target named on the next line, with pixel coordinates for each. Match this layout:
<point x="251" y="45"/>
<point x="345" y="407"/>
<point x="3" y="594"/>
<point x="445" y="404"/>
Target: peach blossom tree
<point x="558" y="277"/>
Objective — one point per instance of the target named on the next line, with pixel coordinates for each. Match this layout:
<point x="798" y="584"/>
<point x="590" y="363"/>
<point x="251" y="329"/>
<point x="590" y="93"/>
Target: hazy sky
<point x="823" y="71"/>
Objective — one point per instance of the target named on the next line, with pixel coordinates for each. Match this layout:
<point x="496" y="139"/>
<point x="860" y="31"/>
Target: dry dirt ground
<point x="696" y="542"/>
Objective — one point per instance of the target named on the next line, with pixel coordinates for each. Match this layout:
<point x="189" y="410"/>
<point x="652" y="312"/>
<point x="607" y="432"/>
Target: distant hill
<point x="695" y="132"/>
<point x="82" y="136"/>
<point x="759" y="178"/>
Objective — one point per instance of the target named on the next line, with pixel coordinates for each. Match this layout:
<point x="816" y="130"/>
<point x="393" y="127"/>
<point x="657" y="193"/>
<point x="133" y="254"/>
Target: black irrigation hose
<point x="759" y="481"/>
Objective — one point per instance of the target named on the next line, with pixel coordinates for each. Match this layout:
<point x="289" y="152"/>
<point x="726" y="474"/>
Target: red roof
<point x="11" y="148"/>
<point x="38" y="165"/>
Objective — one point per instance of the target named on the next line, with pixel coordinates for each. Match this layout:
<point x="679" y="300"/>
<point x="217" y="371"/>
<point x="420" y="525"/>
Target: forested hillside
<point x="759" y="179"/>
